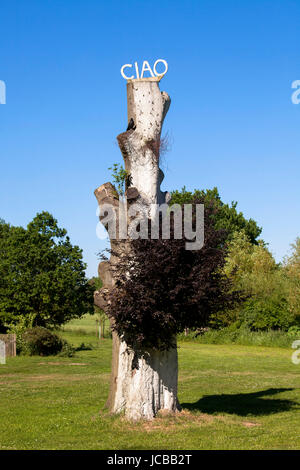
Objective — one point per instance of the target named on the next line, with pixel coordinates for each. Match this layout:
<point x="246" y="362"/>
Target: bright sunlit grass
<point x="233" y="397"/>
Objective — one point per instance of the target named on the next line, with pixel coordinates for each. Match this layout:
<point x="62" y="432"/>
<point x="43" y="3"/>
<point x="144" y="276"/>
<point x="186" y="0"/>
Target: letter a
<point x="146" y="66"/>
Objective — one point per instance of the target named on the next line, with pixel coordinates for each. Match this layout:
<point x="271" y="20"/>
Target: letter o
<point x="165" y="64"/>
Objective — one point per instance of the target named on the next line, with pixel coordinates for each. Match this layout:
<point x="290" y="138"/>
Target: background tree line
<point x="272" y="289"/>
<point x="43" y="281"/>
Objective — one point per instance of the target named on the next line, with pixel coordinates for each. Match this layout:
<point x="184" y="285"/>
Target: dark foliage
<point x="170" y="288"/>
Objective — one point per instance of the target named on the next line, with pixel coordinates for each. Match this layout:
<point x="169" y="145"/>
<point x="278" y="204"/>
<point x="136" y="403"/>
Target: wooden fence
<point x="10" y="344"/>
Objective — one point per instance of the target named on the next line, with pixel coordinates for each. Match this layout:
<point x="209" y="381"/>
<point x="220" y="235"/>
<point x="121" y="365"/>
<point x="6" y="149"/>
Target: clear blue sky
<point x="231" y="121"/>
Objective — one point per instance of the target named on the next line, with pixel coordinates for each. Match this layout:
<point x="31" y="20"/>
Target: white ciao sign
<point x="145" y="68"/>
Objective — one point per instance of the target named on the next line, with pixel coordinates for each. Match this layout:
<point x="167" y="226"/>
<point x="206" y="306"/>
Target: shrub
<point x="243" y="336"/>
<point x="294" y="331"/>
<point x="265" y="314"/>
<point x="67" y="349"/>
<point x="84" y="347"/>
<point x="42" y="342"/>
<point x="25" y="322"/>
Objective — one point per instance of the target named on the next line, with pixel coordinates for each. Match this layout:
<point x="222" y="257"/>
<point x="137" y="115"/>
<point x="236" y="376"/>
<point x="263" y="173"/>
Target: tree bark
<point x="141" y="385"/>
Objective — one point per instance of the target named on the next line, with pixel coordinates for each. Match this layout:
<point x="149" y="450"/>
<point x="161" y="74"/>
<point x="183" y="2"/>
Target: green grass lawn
<point x="233" y="397"/>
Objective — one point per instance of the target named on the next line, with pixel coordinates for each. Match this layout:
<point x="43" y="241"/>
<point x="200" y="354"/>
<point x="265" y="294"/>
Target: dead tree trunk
<point x="140" y="385"/>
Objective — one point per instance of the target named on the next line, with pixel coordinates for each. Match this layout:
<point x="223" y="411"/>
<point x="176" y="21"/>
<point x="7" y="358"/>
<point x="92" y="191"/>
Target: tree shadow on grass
<point x="243" y="404"/>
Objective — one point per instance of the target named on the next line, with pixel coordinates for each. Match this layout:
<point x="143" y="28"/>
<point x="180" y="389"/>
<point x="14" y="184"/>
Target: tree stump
<point x="140" y="385"/>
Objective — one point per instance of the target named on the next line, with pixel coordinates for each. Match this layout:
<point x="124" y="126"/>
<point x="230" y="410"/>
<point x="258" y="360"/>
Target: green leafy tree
<point x="291" y="267"/>
<point x="226" y="217"/>
<point x="254" y="271"/>
<point x="120" y="177"/>
<point x="41" y="275"/>
<point x="292" y="262"/>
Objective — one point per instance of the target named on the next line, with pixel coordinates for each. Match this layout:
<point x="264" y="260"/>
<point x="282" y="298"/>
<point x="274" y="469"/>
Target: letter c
<point x="123" y="74"/>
